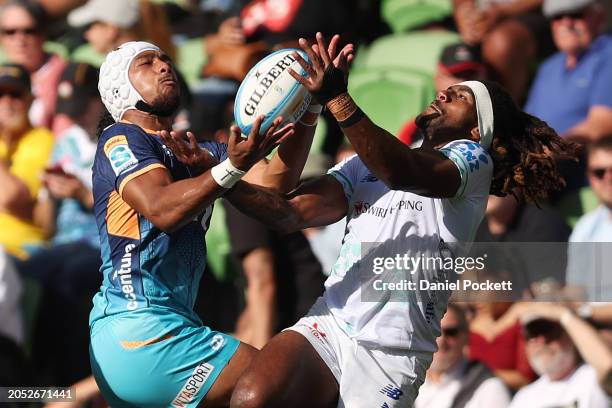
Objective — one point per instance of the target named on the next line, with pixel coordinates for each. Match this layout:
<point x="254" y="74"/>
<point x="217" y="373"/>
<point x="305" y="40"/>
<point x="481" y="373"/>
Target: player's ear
<point x="475" y="134"/>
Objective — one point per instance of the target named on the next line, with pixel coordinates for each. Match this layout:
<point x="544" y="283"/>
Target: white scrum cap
<point x="116" y="90"/>
<point x="484" y="111"/>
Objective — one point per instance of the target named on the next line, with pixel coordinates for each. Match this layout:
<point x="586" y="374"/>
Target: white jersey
<point x="408" y="224"/>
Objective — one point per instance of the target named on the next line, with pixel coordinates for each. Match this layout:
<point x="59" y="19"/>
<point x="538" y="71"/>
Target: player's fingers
<point x="315" y="59"/>
<point x="322" y="49"/>
<point x="286" y="128"/>
<point x="193" y="143"/>
<point x="298" y="77"/>
<point x="304" y="64"/>
<point x="254" y="136"/>
<point x="275" y="124"/>
<point x="333" y="46"/>
<point x="234" y="137"/>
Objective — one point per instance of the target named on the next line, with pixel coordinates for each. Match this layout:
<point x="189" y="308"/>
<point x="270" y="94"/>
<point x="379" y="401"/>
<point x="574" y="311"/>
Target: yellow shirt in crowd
<point x="26" y="162"/>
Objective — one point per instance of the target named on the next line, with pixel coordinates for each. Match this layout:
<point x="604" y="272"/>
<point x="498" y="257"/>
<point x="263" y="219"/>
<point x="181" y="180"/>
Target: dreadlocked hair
<point x="106" y="119"/>
<point x="525" y="151"/>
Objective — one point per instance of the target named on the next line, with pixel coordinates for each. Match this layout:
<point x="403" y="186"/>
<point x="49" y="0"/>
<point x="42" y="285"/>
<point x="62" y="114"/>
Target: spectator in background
<point x="458" y="63"/>
<point x="452" y="380"/>
<point x="512" y="221"/>
<point x="571" y="91"/>
<point x="557" y="342"/>
<point x="589" y="263"/>
<point x="110" y="23"/>
<point x="24" y="153"/>
<point x="511" y="34"/>
<point x="22" y="23"/>
<point x="283" y="276"/>
<point x="68" y="268"/>
<point x="490" y="332"/>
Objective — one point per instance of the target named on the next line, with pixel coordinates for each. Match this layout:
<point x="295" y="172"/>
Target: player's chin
<point x="425" y="119"/>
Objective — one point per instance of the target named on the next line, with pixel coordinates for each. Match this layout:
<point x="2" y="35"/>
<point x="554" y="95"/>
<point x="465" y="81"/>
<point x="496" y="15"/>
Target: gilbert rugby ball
<point x="268" y="89"/>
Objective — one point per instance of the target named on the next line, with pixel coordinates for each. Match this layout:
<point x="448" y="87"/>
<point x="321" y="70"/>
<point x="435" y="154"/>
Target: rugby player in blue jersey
<point x="148" y="347"/>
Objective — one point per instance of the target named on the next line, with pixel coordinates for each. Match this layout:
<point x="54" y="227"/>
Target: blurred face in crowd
<point x="101" y="37"/>
<point x="451" y="343"/>
<point x="549" y="350"/>
<point x="21" y="38"/>
<point x="574" y="33"/>
<point x="600" y="175"/>
<point x="153" y="76"/>
<point x="14" y="106"/>
<point x="451" y="116"/>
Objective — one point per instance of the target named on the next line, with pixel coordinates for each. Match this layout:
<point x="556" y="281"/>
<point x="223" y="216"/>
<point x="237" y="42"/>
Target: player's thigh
<point x="137" y="362"/>
<point x="287" y="372"/>
<point x="220" y="393"/>
<point x="379" y="378"/>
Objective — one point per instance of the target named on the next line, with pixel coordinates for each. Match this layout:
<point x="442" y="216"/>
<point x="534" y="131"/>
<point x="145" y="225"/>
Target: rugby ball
<point x="268" y="89"/>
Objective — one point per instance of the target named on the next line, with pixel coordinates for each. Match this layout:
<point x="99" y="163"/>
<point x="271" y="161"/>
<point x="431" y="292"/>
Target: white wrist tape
<point x="225" y="174"/>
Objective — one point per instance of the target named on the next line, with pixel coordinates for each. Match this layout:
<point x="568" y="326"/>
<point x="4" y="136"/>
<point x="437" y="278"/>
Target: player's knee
<point x="250" y="393"/>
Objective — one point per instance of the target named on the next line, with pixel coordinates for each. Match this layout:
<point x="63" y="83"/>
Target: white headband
<point x="116" y="90"/>
<point x="484" y="111"/>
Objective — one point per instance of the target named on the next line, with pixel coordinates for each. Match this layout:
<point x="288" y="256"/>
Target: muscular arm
<point x="424" y="171"/>
<point x="282" y="172"/>
<point x="315" y="203"/>
<point x="169" y="205"/>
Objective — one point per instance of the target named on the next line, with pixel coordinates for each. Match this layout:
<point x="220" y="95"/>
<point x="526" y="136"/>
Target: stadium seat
<point x="391" y="97"/>
<point x="404" y="15"/>
<point x="191" y="58"/>
<point x="417" y="51"/>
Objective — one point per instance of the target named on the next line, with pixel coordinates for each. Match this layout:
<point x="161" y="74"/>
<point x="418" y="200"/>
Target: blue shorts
<point x="151" y="359"/>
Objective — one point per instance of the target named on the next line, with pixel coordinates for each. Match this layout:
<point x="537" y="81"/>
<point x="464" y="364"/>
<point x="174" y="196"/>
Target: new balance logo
<point x="369" y="178"/>
<point x="392" y="392"/>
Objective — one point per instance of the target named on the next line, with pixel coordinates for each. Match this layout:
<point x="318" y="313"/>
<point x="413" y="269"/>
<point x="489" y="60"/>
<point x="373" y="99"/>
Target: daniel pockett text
<point x="428" y="265"/>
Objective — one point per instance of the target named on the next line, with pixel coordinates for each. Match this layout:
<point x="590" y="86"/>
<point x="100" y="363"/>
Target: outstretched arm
<point x="424" y="171"/>
<point x="315" y="203"/>
<point x="170" y="204"/>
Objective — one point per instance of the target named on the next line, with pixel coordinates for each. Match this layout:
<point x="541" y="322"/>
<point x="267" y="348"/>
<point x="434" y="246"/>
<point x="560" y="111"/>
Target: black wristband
<point x="351" y="120"/>
<point x="334" y="84"/>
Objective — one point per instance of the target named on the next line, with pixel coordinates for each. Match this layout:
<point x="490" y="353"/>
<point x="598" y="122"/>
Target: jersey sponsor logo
<point x="369" y="178"/>
<point x="363" y="207"/>
<point x="119" y="154"/>
<point x="193" y="385"/>
<point x="217" y="342"/>
<point x="316" y="332"/>
<point x="125" y="278"/>
<point x="392" y="392"/>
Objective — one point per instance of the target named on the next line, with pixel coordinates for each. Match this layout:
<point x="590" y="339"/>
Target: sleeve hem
<point x="140" y="172"/>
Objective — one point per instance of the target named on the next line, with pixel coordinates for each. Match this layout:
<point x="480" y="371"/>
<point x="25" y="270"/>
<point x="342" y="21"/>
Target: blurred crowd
<point x="551" y="348"/>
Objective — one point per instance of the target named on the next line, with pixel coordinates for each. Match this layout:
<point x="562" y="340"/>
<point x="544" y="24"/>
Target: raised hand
<point x="244" y="153"/>
<point x="327" y="72"/>
<point x="188" y="151"/>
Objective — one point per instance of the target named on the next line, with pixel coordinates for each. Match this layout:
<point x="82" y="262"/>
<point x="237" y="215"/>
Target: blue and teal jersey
<point x="143" y="267"/>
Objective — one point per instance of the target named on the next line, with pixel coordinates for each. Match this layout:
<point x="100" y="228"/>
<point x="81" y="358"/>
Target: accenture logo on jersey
<point x="125" y="278"/>
<point x="363" y="207"/>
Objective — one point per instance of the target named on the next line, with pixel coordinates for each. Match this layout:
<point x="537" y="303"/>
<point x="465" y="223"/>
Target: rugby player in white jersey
<point x="351" y="352"/>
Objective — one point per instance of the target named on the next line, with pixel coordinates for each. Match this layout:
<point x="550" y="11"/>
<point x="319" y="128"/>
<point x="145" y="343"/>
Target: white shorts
<point x="367" y="376"/>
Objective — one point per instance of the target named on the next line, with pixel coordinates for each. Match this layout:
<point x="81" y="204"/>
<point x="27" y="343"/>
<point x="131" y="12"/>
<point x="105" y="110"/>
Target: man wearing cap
<point x="571" y="91"/>
<point x="458" y="62"/>
<point x="370" y="339"/>
<point x="574" y="363"/>
<point x="24" y="153"/>
<point x="148" y="346"/>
